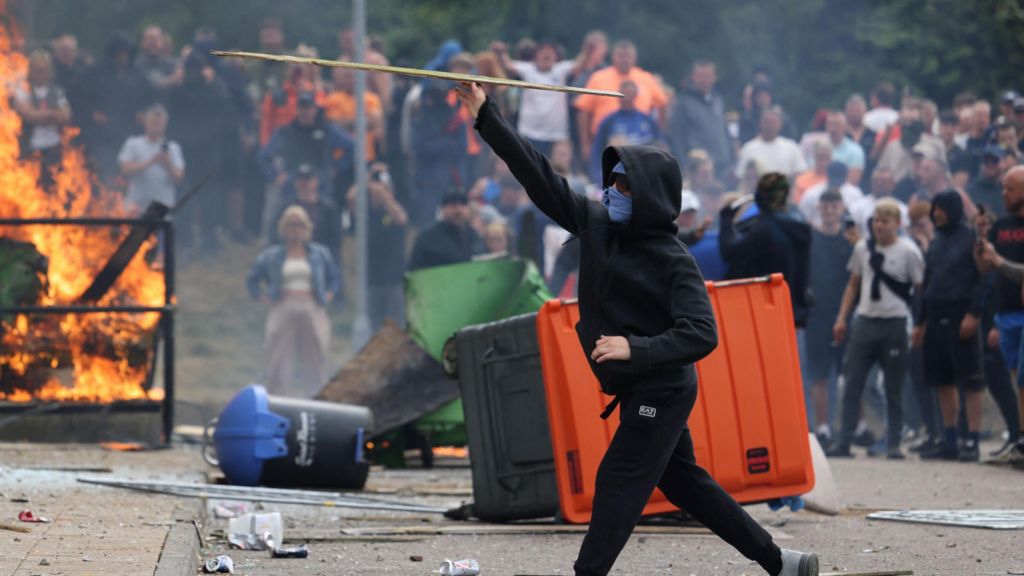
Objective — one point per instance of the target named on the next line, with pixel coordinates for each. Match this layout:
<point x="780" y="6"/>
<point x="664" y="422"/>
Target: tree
<point x="817" y="51"/>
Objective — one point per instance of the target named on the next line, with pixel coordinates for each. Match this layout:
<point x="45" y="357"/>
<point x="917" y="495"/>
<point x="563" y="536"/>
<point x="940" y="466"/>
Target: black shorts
<point x="948" y="359"/>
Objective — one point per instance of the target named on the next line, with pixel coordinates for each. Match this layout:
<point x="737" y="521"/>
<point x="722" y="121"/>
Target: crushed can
<point x="220" y="564"/>
<point x="468" y="567"/>
<point x="300" y="551"/>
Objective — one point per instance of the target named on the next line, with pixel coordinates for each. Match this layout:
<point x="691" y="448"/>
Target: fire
<point x="77" y="357"/>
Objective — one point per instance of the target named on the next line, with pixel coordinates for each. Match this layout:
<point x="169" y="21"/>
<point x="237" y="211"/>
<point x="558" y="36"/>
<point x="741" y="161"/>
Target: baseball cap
<point x="1010" y="96"/>
<point x="305" y="171"/>
<point x="1018" y="104"/>
<point x="689" y="202"/>
<point x="305" y="99"/>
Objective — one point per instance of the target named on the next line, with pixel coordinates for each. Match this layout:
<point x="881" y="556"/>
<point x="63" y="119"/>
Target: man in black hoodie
<point x="774" y="243"/>
<point x="645" y="318"/>
<point x="114" y="92"/>
<point x="947" y="326"/>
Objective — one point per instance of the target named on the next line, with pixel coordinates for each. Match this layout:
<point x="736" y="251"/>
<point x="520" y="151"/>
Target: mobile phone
<point x="848" y="223"/>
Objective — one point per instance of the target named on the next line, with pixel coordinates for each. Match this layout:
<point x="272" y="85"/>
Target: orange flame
<point x="450" y="452"/>
<point x="109" y="355"/>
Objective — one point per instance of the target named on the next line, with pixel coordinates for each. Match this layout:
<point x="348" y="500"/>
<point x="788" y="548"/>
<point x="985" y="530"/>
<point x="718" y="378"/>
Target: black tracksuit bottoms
<point x="653" y="448"/>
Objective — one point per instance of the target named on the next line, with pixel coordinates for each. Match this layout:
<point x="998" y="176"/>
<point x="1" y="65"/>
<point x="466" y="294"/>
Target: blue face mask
<point x="620" y="206"/>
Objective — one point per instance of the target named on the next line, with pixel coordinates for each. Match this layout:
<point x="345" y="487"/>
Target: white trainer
<point x="796" y="563"/>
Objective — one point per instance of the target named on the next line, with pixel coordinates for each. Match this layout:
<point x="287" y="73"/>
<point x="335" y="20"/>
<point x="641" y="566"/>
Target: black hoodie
<point x="952" y="284"/>
<point x="636" y="279"/>
<point x="775" y="243"/>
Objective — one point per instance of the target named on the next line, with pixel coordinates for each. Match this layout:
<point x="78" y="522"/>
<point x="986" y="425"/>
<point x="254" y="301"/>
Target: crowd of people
<point x="897" y="221"/>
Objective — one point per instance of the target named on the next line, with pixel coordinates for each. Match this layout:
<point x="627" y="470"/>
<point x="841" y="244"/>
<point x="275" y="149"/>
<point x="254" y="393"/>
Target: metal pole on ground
<point x="361" y="320"/>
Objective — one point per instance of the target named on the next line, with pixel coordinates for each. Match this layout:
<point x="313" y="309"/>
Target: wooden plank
<point x="414" y="72"/>
<point x="15" y="528"/>
<point x="393" y="377"/>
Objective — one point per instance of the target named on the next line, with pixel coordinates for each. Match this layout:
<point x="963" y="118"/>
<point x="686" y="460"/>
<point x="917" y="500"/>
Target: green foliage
<point x="818" y="51"/>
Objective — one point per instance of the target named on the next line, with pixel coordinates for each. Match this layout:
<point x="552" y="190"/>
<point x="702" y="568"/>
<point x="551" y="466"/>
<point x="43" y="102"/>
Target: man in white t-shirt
<point x="153" y="165"/>
<point x="885" y="272"/>
<point x="543" y="115"/>
<point x="883" y="112"/>
<point x="771" y="152"/>
<point x="835" y="179"/>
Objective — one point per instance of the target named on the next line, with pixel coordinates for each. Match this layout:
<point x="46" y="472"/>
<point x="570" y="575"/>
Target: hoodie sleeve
<point x="734" y="248"/>
<point x="693" y="334"/>
<point x="920" y="311"/>
<point x="549" y="191"/>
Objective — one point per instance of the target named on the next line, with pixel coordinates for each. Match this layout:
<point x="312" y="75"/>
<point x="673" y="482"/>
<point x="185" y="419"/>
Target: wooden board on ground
<point x="990" y="519"/>
<point x="509" y="529"/>
<point x="393" y="377"/>
<point x="15" y="528"/>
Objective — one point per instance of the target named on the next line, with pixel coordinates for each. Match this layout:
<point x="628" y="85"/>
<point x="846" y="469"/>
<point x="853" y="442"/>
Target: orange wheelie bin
<point x="749" y="425"/>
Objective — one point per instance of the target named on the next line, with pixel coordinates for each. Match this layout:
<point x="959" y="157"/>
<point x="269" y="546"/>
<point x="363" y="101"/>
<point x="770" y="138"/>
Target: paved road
<point x="93" y="530"/>
<point x="103" y="531"/>
<point x="848" y="542"/>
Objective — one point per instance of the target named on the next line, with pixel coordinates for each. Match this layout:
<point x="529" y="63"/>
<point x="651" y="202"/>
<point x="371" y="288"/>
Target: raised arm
<point x="988" y="259"/>
<point x="732" y="246"/>
<point x="549" y="191"/>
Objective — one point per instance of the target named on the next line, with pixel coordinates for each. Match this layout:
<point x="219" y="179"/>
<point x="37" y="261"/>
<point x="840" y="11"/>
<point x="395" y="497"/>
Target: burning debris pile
<point x="96" y="357"/>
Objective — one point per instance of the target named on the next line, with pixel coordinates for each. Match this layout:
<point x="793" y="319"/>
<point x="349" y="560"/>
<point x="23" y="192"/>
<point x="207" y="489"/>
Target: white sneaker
<point x="796" y="563"/>
<point x="1014" y="456"/>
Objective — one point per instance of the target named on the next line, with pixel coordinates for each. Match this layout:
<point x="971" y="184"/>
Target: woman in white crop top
<point x="297" y="278"/>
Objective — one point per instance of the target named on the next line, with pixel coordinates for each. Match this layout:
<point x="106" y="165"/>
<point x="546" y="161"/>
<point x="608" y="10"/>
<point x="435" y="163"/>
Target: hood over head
<point x="952" y="204"/>
<point x="444" y="54"/>
<point x="119" y="42"/>
<point x="654" y="180"/>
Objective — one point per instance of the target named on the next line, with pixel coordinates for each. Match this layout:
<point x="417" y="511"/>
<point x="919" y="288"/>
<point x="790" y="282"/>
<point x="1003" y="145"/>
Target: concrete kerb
<point x="182" y="551"/>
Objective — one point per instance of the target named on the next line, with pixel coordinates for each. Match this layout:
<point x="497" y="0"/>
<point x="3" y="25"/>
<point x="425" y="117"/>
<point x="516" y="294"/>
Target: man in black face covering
<point x="645" y="318"/>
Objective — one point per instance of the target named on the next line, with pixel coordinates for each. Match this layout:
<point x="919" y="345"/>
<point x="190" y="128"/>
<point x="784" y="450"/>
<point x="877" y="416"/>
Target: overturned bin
<point x="399" y="374"/>
<point x="290" y="443"/>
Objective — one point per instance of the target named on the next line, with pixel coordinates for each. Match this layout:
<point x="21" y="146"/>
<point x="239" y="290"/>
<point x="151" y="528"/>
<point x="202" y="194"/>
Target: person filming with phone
<point x="152" y="164"/>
